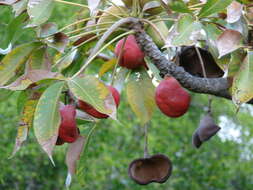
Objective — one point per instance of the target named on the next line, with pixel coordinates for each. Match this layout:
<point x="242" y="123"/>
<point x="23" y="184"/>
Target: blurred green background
<point x="224" y="163"/>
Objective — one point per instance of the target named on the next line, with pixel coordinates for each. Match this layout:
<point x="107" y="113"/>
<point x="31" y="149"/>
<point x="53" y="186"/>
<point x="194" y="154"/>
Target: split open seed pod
<point x="156" y="168"/>
<point x="189" y="60"/>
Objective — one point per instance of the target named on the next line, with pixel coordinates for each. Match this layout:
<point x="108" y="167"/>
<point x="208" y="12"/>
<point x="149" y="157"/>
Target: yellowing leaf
<point x="242" y="88"/>
<point x="14" y="59"/>
<point x="91" y="90"/>
<point x="141" y="95"/>
<point x="25" y="124"/>
<point x="108" y="65"/>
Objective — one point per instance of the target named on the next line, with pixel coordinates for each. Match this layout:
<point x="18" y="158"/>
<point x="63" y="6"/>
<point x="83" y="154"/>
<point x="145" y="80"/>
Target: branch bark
<point x="214" y="86"/>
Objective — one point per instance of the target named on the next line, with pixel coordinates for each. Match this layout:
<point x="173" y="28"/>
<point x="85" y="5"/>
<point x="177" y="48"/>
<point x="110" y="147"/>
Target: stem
<point x="104" y="37"/>
<point x="155" y="28"/>
<point x="164" y="19"/>
<point x="205" y="75"/>
<point x="89" y="32"/>
<point x="77" y="22"/>
<point x="118" y="60"/>
<point x="92" y="38"/>
<point x="90" y="58"/>
<point x="71" y="3"/>
<point x="89" y="26"/>
<point x="146" y="154"/>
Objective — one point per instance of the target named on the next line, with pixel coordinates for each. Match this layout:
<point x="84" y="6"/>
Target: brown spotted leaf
<point x="29" y="78"/>
<point x="25" y="124"/>
<point x="242" y="88"/>
<point x="229" y="41"/>
<point x="59" y="42"/>
<point x="73" y="155"/>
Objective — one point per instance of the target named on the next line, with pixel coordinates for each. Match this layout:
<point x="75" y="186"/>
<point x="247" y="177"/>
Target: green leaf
<point x="66" y="60"/>
<point x="39" y="11"/>
<point x="91" y="90"/>
<point x="179" y="6"/>
<point x="242" y="88"/>
<point x="213" y="6"/>
<point x="47" y="29"/>
<point x="47" y="118"/>
<point x="186" y="26"/>
<point x="13" y="31"/>
<point x="19" y="7"/>
<point x="14" y="59"/>
<point x="141" y="95"/>
<point x="236" y="60"/>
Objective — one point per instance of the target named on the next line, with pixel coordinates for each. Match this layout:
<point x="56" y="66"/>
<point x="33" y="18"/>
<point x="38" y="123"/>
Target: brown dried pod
<point x="207" y="128"/>
<point x="189" y="60"/>
<point x="156" y="168"/>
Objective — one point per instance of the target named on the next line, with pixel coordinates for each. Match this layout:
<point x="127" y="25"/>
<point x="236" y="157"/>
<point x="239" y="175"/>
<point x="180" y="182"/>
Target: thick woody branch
<point x="214" y="86"/>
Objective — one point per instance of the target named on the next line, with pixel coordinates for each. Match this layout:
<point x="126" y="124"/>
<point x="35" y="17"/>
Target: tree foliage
<point x="60" y="64"/>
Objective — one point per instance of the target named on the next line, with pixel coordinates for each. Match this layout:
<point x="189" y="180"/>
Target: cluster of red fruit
<point x="170" y="97"/>
<point x="68" y="131"/>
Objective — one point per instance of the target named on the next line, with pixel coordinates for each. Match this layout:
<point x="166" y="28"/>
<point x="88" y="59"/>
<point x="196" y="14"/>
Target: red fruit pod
<point x="68" y="131"/>
<point x="132" y="56"/>
<point x="92" y="111"/>
<point x="171" y="98"/>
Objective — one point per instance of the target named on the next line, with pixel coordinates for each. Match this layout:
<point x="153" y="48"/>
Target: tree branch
<point x="215" y="86"/>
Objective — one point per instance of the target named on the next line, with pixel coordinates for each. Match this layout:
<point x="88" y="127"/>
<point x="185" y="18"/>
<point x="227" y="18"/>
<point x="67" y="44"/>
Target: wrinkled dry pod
<point x="207" y="128"/>
<point x="189" y="60"/>
<point x="156" y="168"/>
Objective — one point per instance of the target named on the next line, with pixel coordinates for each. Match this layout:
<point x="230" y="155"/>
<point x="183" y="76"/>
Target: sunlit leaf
<point x="188" y="31"/>
<point x="66" y="60"/>
<point x="19" y="7"/>
<point x="213" y="6"/>
<point x="14" y="59"/>
<point x="107" y="66"/>
<point x="91" y="90"/>
<point x="234" y="12"/>
<point x="39" y="11"/>
<point x="120" y="78"/>
<point x="47" y="118"/>
<point x="141" y="95"/>
<point x="242" y="88"/>
<point x="93" y="4"/>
